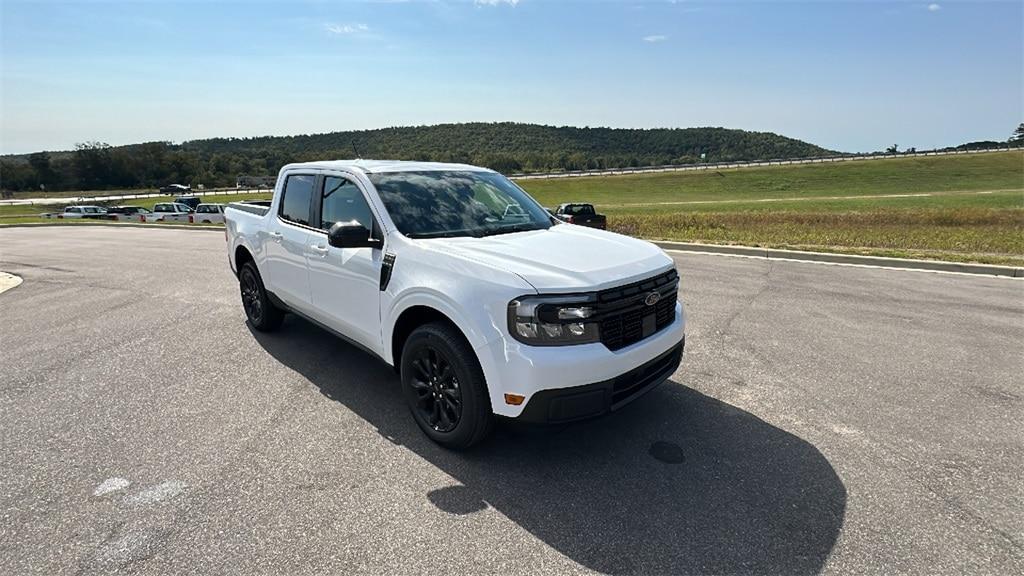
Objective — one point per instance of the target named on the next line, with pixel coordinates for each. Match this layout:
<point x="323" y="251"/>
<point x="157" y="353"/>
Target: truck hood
<point x="563" y="258"/>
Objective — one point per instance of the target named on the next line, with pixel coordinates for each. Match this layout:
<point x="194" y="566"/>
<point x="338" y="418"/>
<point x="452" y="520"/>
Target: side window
<point x="298" y="191"/>
<point x="343" y="202"/>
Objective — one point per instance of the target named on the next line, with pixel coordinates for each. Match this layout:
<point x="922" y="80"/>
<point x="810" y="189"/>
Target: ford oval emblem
<point x="652" y="298"/>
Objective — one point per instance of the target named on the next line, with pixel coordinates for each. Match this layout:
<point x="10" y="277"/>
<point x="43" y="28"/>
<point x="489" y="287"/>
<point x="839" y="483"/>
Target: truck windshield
<point x="456" y="203"/>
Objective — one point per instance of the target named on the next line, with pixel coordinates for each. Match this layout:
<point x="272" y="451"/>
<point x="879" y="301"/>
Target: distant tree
<point x="505" y="146"/>
<point x="1018" y="134"/>
<point x="40" y="162"/>
<point x="93" y="165"/>
<point x="894" y="149"/>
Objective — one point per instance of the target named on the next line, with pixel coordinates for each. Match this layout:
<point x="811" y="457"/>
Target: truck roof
<point x="377" y="166"/>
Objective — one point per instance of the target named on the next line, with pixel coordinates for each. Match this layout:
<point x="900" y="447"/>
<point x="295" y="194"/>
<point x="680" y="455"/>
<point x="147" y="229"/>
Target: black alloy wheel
<point x="444" y="386"/>
<point x="251" y="300"/>
<point x="260" y="311"/>
<point x="438" y="394"/>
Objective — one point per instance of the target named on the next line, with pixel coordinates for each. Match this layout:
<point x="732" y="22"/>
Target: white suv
<point x="482" y="301"/>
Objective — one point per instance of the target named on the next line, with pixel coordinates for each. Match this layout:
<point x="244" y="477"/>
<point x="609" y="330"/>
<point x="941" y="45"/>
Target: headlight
<point x="553" y="320"/>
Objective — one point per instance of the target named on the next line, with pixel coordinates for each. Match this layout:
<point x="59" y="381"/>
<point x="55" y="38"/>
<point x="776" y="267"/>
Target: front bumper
<point x="568" y="404"/>
<point x="511" y="367"/>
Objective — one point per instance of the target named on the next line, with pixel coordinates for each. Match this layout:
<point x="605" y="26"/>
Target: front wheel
<point x="260" y="311"/>
<point x="445" y="387"/>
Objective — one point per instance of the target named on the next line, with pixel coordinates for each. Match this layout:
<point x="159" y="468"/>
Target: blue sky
<point x="848" y="76"/>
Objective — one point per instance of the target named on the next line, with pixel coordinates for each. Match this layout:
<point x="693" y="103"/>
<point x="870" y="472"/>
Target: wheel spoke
<point x="418" y="365"/>
<point x="422" y="389"/>
<point x="432" y="362"/>
<point x="445" y="420"/>
<point x="435" y="414"/>
<point x="445" y="372"/>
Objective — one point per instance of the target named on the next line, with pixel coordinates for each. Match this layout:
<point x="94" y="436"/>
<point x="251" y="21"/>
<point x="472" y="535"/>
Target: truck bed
<point x="257" y="207"/>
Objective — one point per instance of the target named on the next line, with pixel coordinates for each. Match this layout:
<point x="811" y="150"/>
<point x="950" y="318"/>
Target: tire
<point x="450" y="405"/>
<point x="260" y="311"/>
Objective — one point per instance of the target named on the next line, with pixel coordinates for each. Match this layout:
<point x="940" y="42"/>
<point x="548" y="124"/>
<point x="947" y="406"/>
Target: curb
<point x="115" y="225"/>
<point x="828" y="257"/>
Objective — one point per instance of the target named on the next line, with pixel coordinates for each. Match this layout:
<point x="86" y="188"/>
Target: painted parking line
<point x="8" y="281"/>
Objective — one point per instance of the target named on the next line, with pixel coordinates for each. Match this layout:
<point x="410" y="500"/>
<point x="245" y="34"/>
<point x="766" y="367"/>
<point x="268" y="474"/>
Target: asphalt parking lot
<point x="828" y="419"/>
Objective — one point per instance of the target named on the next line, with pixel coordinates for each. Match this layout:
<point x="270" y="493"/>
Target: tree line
<point x="506" y="147"/>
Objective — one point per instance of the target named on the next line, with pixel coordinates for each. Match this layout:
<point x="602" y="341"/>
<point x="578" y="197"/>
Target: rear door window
<point x="296" y="197"/>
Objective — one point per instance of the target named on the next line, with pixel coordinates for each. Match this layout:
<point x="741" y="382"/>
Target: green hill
<point x="529" y="146"/>
<point x="506" y="147"/>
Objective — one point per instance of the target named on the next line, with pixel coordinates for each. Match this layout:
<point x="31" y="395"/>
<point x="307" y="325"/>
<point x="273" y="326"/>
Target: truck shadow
<point x="676" y="483"/>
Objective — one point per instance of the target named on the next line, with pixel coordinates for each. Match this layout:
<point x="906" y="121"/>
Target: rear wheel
<point x="260" y="311"/>
<point x="445" y="387"/>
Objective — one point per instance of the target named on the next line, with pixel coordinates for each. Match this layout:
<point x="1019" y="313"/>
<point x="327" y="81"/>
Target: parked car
<point x="175" y="189"/>
<point x="85" y="212"/>
<point x="483" y="310"/>
<point x="581" y="214"/>
<point x="127" y="213"/>
<point x="190" y="201"/>
<point x="169" y="212"/>
<point x="208" y="214"/>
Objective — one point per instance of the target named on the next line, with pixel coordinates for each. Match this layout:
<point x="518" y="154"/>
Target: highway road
<point x="825" y="419"/>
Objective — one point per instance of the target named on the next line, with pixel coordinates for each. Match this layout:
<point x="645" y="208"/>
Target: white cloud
<point x="345" y="29"/>
<point x="655" y="38"/>
<point x="495" y="2"/>
<point x="934" y="7"/>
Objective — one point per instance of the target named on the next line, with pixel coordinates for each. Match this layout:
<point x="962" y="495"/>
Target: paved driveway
<point x="825" y="419"/>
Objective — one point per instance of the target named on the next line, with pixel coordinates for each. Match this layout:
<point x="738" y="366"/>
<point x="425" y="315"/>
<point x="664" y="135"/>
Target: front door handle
<point x="318" y="250"/>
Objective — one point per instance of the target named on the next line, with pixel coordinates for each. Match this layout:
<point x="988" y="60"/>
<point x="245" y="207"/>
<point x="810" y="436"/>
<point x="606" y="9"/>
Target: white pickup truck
<point x="169" y="212"/>
<point x="207" y="214"/>
<point x="482" y="301"/>
<point x="83" y="212"/>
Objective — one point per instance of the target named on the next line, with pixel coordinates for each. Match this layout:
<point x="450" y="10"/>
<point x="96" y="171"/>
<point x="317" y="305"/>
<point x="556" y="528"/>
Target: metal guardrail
<point x="549" y="175"/>
<point x="748" y="164"/>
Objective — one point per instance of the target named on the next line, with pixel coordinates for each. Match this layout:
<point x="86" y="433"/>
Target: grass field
<point x="961" y="208"/>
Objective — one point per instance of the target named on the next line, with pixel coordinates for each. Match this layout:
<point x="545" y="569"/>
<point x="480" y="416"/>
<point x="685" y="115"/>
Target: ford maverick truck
<point x="484" y="303"/>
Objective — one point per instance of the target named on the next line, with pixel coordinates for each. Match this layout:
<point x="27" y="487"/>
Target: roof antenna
<point x="356" y="150"/>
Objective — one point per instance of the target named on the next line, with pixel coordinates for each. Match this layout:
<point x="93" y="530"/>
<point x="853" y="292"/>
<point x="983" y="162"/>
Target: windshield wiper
<point x="440" y="234"/>
<point x="512" y="229"/>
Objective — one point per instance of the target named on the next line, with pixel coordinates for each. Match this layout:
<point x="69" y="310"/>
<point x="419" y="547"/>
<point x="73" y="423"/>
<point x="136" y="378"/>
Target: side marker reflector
<point x="514" y="399"/>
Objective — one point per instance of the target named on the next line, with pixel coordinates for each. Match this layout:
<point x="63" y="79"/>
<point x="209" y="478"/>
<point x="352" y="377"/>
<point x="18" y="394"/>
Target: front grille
<point x="626" y="319"/>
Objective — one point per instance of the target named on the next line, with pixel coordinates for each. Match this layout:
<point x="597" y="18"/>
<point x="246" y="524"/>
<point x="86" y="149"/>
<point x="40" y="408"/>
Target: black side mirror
<point x="351" y="234"/>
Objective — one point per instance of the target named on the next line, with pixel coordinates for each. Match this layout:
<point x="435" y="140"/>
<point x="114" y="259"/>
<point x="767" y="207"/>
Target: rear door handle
<point x="276" y="236"/>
